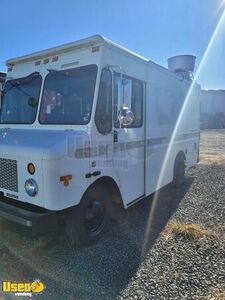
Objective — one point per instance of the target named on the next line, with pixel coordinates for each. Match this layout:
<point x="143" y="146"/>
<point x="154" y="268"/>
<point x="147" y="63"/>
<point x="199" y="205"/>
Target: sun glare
<point x="221" y="5"/>
<point x="217" y="34"/>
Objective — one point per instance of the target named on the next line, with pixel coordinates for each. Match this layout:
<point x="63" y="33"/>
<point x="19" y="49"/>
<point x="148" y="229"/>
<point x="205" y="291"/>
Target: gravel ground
<point x="123" y="265"/>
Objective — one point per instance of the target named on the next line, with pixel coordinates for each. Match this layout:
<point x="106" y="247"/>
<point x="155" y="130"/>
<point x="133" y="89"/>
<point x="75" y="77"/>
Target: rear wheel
<point x="89" y="220"/>
<point x="179" y="170"/>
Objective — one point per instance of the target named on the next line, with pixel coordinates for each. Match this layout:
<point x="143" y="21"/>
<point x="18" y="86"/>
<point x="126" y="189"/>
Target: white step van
<point x="88" y="123"/>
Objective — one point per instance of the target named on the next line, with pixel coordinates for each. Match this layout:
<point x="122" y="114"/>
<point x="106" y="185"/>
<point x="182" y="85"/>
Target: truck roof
<point x="82" y="43"/>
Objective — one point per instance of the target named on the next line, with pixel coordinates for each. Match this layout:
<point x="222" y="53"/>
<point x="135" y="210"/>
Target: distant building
<point x="2" y="79"/>
<point x="212" y="109"/>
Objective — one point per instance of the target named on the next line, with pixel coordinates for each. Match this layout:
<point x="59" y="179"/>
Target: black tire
<point x="89" y="220"/>
<point x="179" y="171"/>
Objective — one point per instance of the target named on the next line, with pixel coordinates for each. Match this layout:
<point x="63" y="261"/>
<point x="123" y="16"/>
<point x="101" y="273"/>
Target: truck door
<point x="129" y="140"/>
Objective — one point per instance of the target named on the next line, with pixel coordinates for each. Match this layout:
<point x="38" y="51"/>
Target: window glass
<point x="68" y="96"/>
<point x="20" y="100"/>
<point x="137" y="102"/>
<point x="103" y="116"/>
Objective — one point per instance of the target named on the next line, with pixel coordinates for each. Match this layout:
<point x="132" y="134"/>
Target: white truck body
<point x="130" y="157"/>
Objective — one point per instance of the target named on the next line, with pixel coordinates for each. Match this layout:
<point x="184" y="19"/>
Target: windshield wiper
<point x="58" y="72"/>
<point x="28" y="79"/>
<point x="53" y="70"/>
<point x="17" y="82"/>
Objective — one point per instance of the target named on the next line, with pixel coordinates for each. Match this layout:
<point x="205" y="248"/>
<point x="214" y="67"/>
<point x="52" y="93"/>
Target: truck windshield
<point x="20" y="100"/>
<point x="68" y="95"/>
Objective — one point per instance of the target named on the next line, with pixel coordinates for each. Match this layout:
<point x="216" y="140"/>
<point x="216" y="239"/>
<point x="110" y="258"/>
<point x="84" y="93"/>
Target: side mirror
<point x="126" y="117"/>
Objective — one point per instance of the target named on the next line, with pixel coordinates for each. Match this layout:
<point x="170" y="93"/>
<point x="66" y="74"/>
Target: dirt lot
<point x="176" y="262"/>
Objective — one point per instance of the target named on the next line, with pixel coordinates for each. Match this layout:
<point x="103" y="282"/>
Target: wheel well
<point x="111" y="185"/>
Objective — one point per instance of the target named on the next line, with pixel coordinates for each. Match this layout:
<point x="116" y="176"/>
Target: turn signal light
<point x="95" y="49"/>
<point x="31" y="168"/>
<point x="55" y="58"/>
<point x="66" y="180"/>
<point x="46" y="61"/>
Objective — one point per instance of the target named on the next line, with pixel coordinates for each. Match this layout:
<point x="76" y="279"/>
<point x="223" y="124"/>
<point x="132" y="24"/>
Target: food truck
<point x="89" y="124"/>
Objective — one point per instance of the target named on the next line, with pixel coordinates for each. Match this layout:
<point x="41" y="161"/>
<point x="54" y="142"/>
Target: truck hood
<point x="40" y="144"/>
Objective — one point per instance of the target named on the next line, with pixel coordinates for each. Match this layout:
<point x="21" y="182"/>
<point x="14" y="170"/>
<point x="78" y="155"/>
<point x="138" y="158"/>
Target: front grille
<point x="8" y="174"/>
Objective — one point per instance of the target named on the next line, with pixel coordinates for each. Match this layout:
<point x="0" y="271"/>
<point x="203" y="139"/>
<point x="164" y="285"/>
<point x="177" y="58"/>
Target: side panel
<point x="70" y="157"/>
<point x="172" y="125"/>
<point x="129" y="162"/>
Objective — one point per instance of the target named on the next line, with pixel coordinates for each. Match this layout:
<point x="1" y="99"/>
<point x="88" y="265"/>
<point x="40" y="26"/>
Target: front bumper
<point x="39" y="220"/>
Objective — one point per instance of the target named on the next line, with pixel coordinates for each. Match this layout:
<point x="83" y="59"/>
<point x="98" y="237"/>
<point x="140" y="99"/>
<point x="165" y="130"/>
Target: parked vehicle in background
<point x="88" y="123"/>
<point x="212" y="109"/>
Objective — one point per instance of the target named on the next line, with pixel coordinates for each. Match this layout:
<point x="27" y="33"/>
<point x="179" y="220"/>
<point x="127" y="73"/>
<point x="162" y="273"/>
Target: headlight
<point x="31" y="187"/>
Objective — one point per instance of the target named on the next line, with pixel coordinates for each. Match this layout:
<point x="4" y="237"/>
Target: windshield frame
<point x="14" y="86"/>
<point x="92" y="101"/>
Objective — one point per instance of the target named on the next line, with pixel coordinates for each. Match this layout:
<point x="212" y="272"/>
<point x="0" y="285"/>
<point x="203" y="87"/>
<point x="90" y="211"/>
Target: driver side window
<point x="103" y="114"/>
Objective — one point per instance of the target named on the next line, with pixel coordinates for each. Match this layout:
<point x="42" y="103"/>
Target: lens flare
<point x="222" y="4"/>
<point x="217" y="33"/>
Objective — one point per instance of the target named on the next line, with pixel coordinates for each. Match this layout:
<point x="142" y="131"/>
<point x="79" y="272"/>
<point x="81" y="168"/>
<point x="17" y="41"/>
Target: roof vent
<point x="184" y="64"/>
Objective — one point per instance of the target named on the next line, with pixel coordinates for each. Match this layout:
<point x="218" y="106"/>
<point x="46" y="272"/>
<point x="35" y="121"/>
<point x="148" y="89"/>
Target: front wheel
<point x="89" y="220"/>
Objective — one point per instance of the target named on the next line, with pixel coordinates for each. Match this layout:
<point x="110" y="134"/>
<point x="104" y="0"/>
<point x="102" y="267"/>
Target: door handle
<point x="115" y="136"/>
